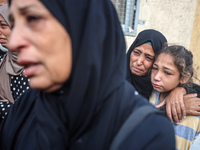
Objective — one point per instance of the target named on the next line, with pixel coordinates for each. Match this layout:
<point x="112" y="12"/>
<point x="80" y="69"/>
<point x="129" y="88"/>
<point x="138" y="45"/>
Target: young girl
<point x="172" y="68"/>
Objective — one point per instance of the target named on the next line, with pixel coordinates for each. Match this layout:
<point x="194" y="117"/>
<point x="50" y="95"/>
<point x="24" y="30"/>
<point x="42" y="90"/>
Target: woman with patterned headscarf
<point x="12" y="83"/>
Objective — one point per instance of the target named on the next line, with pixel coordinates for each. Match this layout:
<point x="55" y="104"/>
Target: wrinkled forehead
<point x="22" y="9"/>
<point x="145" y="49"/>
<point x="23" y="6"/>
<point x="166" y="60"/>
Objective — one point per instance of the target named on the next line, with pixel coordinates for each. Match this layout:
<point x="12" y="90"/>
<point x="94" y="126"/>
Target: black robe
<point x="88" y="111"/>
<point x="193" y="88"/>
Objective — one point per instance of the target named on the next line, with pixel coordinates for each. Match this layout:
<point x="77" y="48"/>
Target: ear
<point x="185" y="79"/>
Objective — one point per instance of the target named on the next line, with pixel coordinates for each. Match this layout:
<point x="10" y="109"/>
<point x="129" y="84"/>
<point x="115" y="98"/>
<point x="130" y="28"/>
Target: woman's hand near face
<point x="178" y="105"/>
<point x="192" y="105"/>
<point x="175" y="108"/>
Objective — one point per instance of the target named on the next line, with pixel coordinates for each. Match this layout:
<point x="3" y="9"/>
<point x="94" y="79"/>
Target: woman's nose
<point x="157" y="76"/>
<point x="16" y="40"/>
<point x="140" y="60"/>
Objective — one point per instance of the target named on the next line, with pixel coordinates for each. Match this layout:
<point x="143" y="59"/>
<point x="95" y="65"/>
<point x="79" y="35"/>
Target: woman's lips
<point x="137" y="69"/>
<point x="30" y="70"/>
<point x="156" y="85"/>
<point x="2" y="40"/>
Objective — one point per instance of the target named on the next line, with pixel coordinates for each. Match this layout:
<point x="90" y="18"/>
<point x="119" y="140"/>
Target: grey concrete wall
<point x="174" y="18"/>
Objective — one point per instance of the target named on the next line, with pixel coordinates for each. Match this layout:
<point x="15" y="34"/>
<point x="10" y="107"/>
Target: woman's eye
<point x="154" y="68"/>
<point x="3" y="25"/>
<point x="31" y="19"/>
<point x="149" y="58"/>
<point x="136" y="53"/>
<point x="168" y="73"/>
<point x="34" y="21"/>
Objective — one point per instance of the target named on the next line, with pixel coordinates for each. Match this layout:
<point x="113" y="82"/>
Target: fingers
<point x="192" y="104"/>
<point x="172" y="113"/>
<point x="168" y="111"/>
<point x="196" y="108"/>
<point x="197" y="100"/>
<point x="194" y="113"/>
<point x="179" y="113"/>
<point x="160" y="104"/>
<point x="175" y="114"/>
<point x="198" y="104"/>
<point x="182" y="106"/>
<point x="190" y="95"/>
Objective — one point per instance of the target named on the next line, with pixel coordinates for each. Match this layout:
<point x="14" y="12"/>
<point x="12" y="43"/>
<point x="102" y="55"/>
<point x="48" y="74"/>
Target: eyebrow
<point x="165" y="68"/>
<point x="137" y="49"/>
<point x="22" y="10"/>
<point x="168" y="69"/>
<point x="149" y="55"/>
<point x="155" y="65"/>
<point x="145" y="54"/>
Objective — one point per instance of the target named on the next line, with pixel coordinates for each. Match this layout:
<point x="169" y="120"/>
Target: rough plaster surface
<point x="174" y="18"/>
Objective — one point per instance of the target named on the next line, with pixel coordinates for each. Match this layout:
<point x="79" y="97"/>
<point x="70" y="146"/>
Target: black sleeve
<point x="154" y="133"/>
<point x="194" y="88"/>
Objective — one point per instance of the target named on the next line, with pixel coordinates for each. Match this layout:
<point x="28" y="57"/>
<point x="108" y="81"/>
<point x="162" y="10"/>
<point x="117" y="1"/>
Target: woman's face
<point x="4" y="32"/>
<point x="43" y="44"/>
<point x="141" y="59"/>
<point x="164" y="75"/>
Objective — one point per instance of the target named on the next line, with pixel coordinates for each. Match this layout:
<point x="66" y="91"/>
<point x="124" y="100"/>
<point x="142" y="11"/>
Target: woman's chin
<point x="137" y="73"/>
<point x="44" y="85"/>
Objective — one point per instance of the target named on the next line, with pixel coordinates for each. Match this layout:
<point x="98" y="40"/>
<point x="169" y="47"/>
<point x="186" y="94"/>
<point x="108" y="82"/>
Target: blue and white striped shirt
<point x="187" y="131"/>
